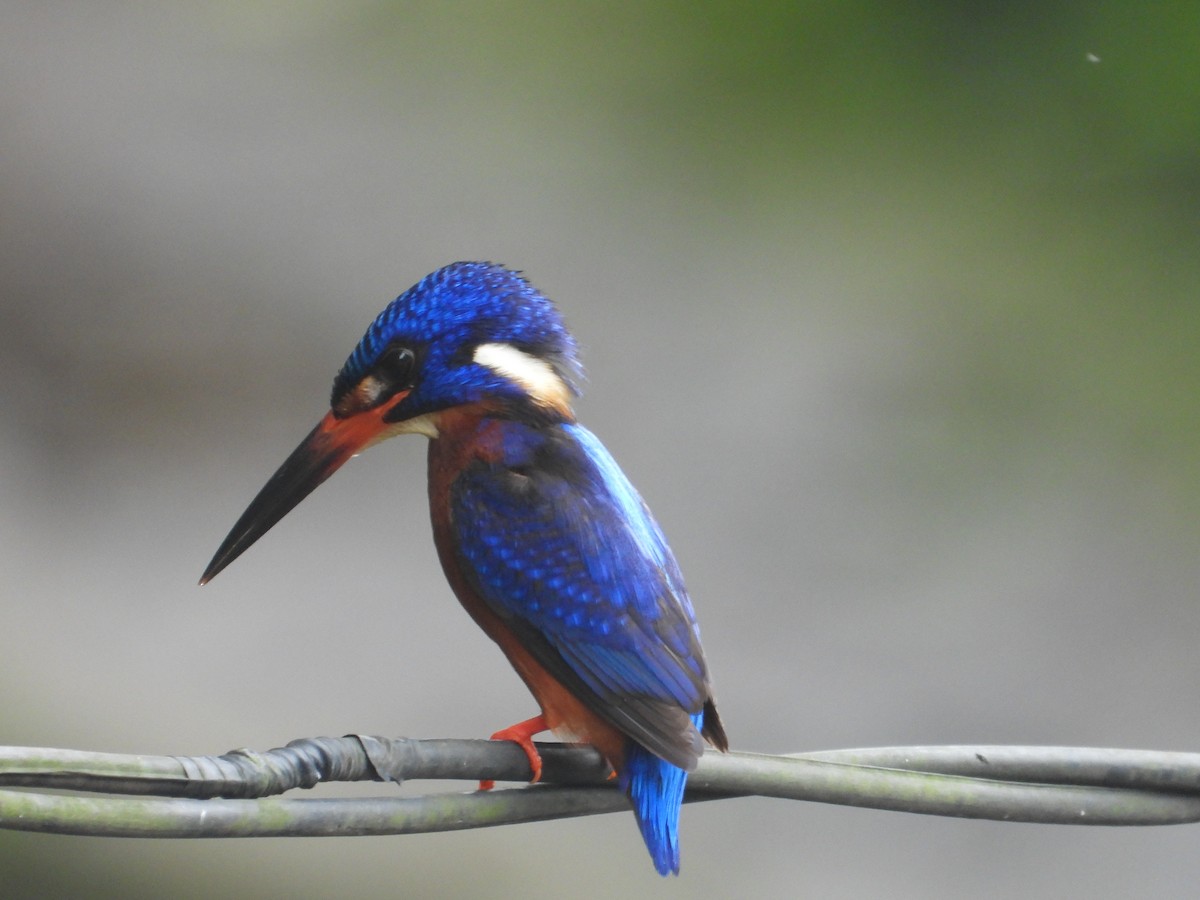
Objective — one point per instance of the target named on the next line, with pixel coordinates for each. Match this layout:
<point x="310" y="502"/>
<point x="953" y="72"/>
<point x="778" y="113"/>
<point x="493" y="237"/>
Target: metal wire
<point x="235" y="795"/>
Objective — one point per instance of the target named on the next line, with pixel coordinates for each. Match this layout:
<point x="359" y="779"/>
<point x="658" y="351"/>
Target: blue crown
<point x="453" y="310"/>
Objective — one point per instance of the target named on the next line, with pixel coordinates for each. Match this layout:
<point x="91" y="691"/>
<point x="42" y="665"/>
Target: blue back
<point x="555" y="539"/>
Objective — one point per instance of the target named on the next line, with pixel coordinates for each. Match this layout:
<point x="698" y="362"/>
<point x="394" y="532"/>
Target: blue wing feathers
<point x="557" y="541"/>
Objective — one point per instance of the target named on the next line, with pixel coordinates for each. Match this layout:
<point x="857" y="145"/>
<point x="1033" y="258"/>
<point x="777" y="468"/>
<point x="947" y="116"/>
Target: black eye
<point x="396" y="367"/>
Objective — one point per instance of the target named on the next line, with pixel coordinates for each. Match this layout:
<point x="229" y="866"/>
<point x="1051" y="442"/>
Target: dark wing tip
<point x="712" y="729"/>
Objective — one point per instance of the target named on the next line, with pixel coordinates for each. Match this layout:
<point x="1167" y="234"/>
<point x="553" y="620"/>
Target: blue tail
<point x="655" y="788"/>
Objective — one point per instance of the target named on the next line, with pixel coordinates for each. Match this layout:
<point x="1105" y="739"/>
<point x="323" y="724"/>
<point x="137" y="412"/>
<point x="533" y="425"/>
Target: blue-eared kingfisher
<point x="543" y="539"/>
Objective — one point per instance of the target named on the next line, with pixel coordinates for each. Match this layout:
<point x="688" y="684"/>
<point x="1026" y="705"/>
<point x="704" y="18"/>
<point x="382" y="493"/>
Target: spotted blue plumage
<point x="445" y="316"/>
<point x="555" y="539"/>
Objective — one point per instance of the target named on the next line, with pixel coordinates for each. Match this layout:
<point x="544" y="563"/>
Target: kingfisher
<point x="541" y="536"/>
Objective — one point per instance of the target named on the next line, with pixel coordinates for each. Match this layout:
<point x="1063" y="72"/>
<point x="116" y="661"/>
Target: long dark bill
<point x="319" y="455"/>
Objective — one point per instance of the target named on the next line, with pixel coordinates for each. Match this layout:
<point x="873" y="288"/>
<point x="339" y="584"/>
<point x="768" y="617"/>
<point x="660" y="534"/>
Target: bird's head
<point x="473" y="335"/>
<point x="467" y="334"/>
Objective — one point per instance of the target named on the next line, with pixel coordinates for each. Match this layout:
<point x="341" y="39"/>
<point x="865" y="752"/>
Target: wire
<point x="235" y="795"/>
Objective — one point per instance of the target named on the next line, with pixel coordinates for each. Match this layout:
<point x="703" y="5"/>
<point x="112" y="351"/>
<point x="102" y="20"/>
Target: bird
<point x="541" y="536"/>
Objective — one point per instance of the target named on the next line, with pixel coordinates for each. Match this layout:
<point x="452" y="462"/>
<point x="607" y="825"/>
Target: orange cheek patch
<point x="347" y="436"/>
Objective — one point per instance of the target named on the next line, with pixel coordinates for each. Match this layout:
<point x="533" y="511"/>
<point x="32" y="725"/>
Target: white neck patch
<point x="536" y="376"/>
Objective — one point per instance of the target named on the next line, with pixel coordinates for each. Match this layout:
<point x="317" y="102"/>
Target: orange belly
<point x="565" y="714"/>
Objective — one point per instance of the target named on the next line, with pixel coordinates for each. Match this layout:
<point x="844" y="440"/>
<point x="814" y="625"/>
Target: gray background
<point x="890" y="312"/>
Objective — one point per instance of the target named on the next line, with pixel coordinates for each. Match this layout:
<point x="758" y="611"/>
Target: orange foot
<point x="522" y="735"/>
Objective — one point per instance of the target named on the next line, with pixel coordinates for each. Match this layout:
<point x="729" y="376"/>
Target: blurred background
<point x="890" y="311"/>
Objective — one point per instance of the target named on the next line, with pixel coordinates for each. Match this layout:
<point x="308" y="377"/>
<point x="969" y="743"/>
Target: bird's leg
<point x="522" y="735"/>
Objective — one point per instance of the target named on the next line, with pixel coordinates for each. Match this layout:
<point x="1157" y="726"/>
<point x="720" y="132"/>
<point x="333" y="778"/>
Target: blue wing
<point x="556" y="540"/>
